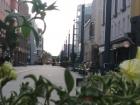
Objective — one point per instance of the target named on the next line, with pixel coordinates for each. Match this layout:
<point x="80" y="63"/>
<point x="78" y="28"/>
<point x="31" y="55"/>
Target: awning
<point x="120" y="42"/>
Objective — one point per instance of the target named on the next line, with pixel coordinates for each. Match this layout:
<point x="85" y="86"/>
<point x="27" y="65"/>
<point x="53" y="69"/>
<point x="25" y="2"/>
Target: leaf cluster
<point x="108" y="89"/>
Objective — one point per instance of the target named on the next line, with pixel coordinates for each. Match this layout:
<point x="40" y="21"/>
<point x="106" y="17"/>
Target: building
<point x="40" y="47"/>
<point x="21" y="51"/>
<point x="120" y="26"/>
<point x="86" y="11"/>
<point x="87" y="37"/>
<point x="121" y="45"/>
<point x="33" y="50"/>
<point x="47" y="58"/>
<point x="135" y="22"/>
<point x="77" y="31"/>
<point x="125" y="20"/>
<point x="87" y="43"/>
<point x="10" y="5"/>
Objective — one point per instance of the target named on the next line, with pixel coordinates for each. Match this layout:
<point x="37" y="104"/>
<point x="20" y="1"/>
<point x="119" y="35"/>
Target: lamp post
<point x="107" y="36"/>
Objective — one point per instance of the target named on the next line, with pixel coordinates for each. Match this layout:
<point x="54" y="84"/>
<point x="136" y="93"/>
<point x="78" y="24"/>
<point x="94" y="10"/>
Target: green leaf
<point x="26" y="31"/>
<point x="4" y="81"/>
<point x="34" y="8"/>
<point x="33" y="77"/>
<point x="52" y="6"/>
<point x="40" y="87"/>
<point x="69" y="81"/>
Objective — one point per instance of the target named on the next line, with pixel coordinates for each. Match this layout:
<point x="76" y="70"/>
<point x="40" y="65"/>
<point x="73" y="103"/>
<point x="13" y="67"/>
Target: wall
<point x="4" y="5"/>
<point x="120" y="25"/>
<point x="87" y="44"/>
<point x="135" y="11"/>
<point x="96" y="18"/>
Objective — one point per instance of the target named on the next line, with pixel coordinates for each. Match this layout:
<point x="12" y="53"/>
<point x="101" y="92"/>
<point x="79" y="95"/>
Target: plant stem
<point x="39" y="18"/>
<point x="46" y="102"/>
<point x="20" y="97"/>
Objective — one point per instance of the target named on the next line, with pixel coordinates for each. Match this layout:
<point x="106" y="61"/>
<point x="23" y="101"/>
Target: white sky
<point x="58" y="24"/>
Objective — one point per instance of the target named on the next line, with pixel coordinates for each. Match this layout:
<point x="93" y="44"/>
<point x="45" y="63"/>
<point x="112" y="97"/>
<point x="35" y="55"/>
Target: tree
<point x="11" y="24"/>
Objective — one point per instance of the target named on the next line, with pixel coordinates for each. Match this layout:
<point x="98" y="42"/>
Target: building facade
<point x="120" y="28"/>
<point x="34" y="50"/>
<point x="78" y="31"/>
<point x="10" y="5"/>
<point x="135" y="22"/>
<point x="87" y="44"/>
<point x="125" y="20"/>
<point x="21" y="51"/>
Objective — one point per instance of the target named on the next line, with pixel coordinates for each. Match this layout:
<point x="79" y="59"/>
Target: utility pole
<point x="66" y="48"/>
<point x="69" y="47"/>
<point x="107" y="35"/>
<point x="82" y="34"/>
<point x="73" y="52"/>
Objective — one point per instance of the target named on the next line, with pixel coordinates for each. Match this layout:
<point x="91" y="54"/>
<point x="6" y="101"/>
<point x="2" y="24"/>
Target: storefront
<point x="121" y="49"/>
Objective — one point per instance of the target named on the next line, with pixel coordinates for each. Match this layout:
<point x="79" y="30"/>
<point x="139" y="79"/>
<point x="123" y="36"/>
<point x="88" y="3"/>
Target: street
<point x="54" y="73"/>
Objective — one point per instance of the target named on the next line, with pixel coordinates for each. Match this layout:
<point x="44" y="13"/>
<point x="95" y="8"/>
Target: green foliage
<point x="7" y="71"/>
<point x="108" y="89"/>
<point x="111" y="89"/>
<point x="15" y="21"/>
<point x="69" y="81"/>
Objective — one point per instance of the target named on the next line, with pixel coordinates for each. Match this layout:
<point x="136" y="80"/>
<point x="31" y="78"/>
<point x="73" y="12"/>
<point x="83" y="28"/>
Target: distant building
<point x="10" y="5"/>
<point x="120" y="27"/>
<point x="95" y="32"/>
<point x="87" y="43"/>
<point x="78" y="22"/>
<point x="32" y="52"/>
<point x="78" y="31"/>
<point x="21" y="52"/>
<point x="40" y="45"/>
<point x="46" y="58"/>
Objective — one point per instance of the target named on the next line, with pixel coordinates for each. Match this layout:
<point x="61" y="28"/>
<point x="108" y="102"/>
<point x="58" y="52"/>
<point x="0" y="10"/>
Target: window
<point x="123" y="5"/>
<point x="112" y="31"/>
<point x="119" y="29"/>
<point x="104" y="11"/>
<point x="115" y="30"/>
<point x="91" y="30"/>
<point x="123" y="25"/>
<point x="116" y="7"/>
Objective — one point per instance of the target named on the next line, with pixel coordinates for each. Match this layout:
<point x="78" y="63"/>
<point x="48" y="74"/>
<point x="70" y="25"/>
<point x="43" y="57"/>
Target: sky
<point x="59" y="24"/>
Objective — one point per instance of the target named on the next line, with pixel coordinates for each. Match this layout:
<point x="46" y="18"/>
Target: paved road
<point x="53" y="73"/>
